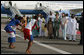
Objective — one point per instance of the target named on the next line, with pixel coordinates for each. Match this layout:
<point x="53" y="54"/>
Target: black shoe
<point x="74" y="40"/>
<point x="57" y="37"/>
<point x="54" y="37"/>
<point x="70" y="40"/>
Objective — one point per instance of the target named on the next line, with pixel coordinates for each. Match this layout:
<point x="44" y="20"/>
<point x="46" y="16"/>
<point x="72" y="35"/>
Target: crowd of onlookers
<point x="56" y="22"/>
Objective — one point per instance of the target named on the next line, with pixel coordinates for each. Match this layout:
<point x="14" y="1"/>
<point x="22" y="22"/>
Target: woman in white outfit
<point x="64" y="21"/>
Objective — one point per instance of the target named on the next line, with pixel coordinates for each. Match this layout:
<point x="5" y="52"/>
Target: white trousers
<point x="11" y="34"/>
<point x="40" y="34"/>
<point x="64" y="32"/>
<point x="72" y="37"/>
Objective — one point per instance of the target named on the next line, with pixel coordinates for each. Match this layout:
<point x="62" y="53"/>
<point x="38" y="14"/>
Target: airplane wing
<point x="75" y="11"/>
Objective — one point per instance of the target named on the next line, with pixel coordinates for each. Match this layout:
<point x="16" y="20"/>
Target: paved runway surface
<point x="40" y="45"/>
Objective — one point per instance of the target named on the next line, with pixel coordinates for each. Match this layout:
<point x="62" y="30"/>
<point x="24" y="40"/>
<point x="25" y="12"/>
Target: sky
<point x="73" y="2"/>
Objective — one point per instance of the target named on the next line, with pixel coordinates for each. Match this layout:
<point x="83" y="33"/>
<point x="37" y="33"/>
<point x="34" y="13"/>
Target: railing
<point x="46" y="9"/>
<point x="12" y="10"/>
<point x="15" y="11"/>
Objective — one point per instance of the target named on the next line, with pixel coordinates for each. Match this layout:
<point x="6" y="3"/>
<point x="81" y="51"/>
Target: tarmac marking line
<point x="44" y="45"/>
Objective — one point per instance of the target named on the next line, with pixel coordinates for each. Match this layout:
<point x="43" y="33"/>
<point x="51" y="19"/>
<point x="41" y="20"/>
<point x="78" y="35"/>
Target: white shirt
<point x="51" y="16"/>
<point x="67" y="17"/>
<point x="40" y="22"/>
<point x="63" y="20"/>
<point x="30" y="25"/>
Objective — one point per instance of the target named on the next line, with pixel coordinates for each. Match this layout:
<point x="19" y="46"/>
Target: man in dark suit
<point x="81" y="29"/>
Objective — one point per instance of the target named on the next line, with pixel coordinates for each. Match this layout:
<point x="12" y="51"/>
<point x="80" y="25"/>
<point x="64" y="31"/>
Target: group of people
<point x="54" y="24"/>
<point x="49" y="28"/>
<point x="67" y="24"/>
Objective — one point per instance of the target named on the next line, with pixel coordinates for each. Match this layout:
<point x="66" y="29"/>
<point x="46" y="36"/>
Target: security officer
<point x="81" y="28"/>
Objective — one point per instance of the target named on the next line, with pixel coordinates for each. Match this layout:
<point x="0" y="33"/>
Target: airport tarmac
<point x="40" y="45"/>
